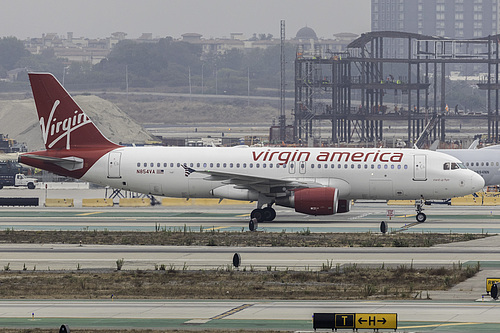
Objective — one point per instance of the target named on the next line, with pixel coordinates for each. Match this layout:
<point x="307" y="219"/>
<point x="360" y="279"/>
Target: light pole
<point x="202" y="65"/>
<point x="216" y="79"/>
<point x="64" y="74"/>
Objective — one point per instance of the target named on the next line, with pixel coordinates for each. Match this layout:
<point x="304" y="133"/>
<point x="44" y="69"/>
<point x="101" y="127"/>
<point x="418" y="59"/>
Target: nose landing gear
<point x="421" y="217"/>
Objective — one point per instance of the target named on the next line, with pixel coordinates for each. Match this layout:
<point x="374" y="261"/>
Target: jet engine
<point x="312" y="201"/>
<point x="344" y="206"/>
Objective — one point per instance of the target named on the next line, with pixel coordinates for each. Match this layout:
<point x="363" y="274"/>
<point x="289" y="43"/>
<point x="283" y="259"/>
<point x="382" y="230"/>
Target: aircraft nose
<point x="477" y="182"/>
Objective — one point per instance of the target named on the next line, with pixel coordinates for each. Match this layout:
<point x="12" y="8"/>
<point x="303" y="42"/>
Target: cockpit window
<point x="453" y="166"/>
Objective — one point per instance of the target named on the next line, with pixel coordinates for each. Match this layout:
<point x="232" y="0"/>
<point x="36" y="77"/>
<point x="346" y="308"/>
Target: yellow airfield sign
<point x="376" y="320"/>
<point x="490" y="282"/>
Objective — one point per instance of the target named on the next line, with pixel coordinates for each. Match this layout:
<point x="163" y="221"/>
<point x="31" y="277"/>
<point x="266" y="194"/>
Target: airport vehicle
<point x="315" y="181"/>
<point x="10" y="175"/>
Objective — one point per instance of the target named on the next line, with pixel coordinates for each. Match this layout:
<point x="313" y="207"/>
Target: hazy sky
<point x="211" y="18"/>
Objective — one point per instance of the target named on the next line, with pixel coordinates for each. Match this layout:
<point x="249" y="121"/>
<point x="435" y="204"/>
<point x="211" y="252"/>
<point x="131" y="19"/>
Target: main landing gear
<point x="265" y="214"/>
<point x="421" y="217"/>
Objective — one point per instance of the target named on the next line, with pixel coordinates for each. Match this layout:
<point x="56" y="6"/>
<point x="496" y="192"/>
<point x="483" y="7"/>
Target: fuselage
<point x="484" y="161"/>
<point x="356" y="173"/>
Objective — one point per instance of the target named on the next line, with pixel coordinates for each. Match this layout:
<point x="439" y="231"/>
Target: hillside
<point x="19" y="121"/>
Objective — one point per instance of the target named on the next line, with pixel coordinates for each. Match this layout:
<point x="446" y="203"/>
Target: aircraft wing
<point x="254" y="182"/>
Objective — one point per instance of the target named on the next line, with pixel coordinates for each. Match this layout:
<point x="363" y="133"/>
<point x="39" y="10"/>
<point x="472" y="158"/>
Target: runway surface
<point x="455" y="310"/>
<point x="415" y="316"/>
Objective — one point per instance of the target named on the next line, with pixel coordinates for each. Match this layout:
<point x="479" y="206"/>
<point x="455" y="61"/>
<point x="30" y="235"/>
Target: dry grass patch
<point x="339" y="282"/>
<point x="208" y="237"/>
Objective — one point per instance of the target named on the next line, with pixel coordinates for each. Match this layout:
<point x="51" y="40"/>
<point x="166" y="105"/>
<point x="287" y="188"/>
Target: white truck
<point x="11" y="175"/>
<point x="18" y="180"/>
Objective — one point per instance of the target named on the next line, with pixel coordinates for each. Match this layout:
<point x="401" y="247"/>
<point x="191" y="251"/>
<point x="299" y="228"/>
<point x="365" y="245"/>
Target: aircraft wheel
<point x="257" y="214"/>
<point x="421" y="217"/>
<point x="269" y="214"/>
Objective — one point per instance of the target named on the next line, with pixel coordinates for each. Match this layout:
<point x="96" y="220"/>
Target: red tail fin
<point x="64" y="125"/>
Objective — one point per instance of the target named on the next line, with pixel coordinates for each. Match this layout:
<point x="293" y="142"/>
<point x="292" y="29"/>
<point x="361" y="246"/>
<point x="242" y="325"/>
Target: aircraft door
<point x="302" y="167"/>
<point x="419" y="167"/>
<point x="291" y="167"/>
<point x="114" y="159"/>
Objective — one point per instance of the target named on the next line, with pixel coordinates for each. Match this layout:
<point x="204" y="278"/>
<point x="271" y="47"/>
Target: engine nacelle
<point x="312" y="201"/>
<point x="344" y="206"/>
<point x="230" y="192"/>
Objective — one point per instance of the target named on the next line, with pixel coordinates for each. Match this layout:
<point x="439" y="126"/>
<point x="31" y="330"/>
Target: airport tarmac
<point x="455" y="310"/>
<point x="412" y="316"/>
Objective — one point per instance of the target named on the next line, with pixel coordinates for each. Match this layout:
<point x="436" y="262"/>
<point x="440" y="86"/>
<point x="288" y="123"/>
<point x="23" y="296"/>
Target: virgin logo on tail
<point x="61" y="128"/>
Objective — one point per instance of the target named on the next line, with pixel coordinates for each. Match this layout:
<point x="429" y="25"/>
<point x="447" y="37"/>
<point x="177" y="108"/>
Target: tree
<point x="11" y="51"/>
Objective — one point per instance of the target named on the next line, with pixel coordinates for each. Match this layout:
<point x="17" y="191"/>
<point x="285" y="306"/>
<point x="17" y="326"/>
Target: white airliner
<point x="485" y="161"/>
<point x="315" y="181"/>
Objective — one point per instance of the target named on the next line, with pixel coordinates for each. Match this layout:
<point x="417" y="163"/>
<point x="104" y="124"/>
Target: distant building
<point x="444" y="18"/>
<point x="80" y="49"/>
<point x="455" y="19"/>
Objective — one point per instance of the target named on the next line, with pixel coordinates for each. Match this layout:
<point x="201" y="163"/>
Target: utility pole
<point x="282" y="119"/>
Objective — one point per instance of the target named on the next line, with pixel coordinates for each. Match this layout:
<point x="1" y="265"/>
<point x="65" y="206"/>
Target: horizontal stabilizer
<point x="69" y="163"/>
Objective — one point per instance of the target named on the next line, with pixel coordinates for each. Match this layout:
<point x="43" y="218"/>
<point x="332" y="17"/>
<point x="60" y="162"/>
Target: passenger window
<point x="379" y="166"/>
<point x="366" y="166"/>
<point x="352" y="166"/>
<point x="237" y="165"/>
<point x="399" y="166"/>
<point x="385" y="166"/>
<point x="333" y="166"/>
<point x="250" y="165"/>
<point x="191" y="165"/>
<point x="224" y="165"/>
<point x="158" y="165"/>
<point x="151" y="164"/>
<point x="211" y="165"/>
<point x="263" y="165"/>
<point x="392" y="166"/>
<point x="204" y="165"/>
<point x="231" y="165"/>
<point x="138" y="164"/>
<point x="345" y="166"/>
<point x="359" y="166"/>
<point x="218" y="165"/>
<point x="197" y="165"/>
<point x="171" y="165"/>
<point x="319" y="166"/>
<point x="312" y="166"/>
<point x="270" y="165"/>
<point x="326" y="166"/>
<point x="165" y="165"/>
<point x="257" y="165"/>
<point x="244" y="165"/>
